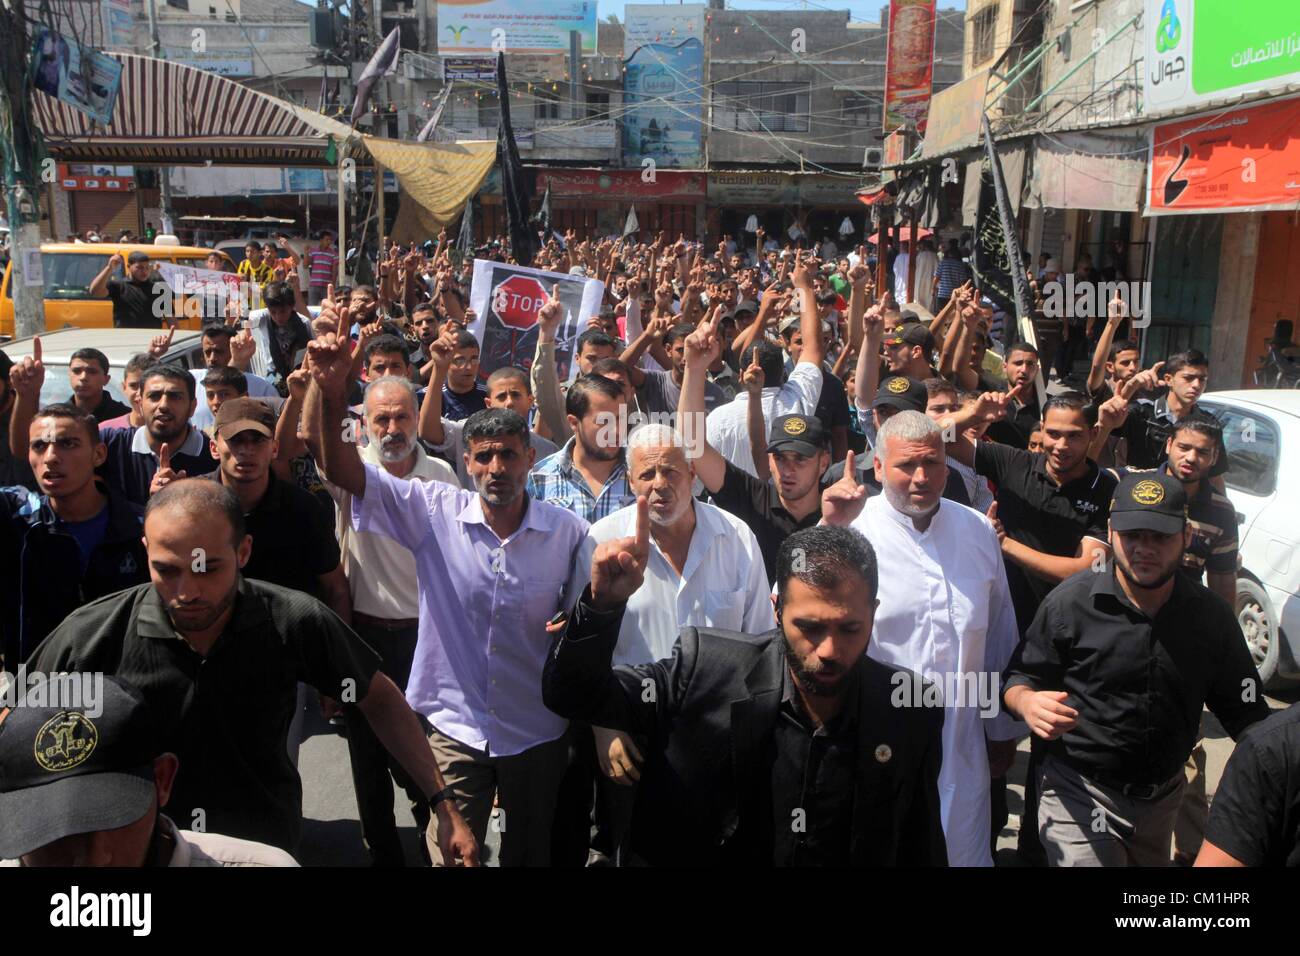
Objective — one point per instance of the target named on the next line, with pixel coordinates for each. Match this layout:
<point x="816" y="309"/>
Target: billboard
<point x="660" y="23"/>
<point x="623" y="185"/>
<point x="1199" y="52"/>
<point x="514" y="26"/>
<point x="78" y="76"/>
<point x="664" y="106"/>
<point x="909" y="64"/>
<point x="1243" y="161"/>
<point x="119" y="26"/>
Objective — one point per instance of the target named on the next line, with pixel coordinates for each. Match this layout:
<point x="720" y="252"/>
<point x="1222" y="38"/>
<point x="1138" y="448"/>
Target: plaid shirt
<point x="556" y="481"/>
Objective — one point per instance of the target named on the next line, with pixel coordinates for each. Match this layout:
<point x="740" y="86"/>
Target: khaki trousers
<point x="524" y="784"/>
<point x="1085" y="823"/>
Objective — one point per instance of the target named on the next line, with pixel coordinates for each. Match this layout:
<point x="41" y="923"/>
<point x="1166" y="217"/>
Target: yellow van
<point x="70" y="267"/>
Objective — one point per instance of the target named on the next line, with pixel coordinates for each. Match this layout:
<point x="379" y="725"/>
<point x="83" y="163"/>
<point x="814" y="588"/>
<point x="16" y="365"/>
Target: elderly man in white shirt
<point x="727" y="427"/>
<point x="705" y="570"/>
<point x="945" y="613"/>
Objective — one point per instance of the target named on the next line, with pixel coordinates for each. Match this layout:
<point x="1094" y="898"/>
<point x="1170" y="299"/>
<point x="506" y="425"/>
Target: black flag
<point x="383" y="63"/>
<point x="516" y="184"/>
<point x="542" y="218"/>
<point x="465" y="241"/>
<point x="631" y="226"/>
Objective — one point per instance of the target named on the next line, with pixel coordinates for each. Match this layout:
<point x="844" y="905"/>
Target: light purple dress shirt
<point x="484" y="604"/>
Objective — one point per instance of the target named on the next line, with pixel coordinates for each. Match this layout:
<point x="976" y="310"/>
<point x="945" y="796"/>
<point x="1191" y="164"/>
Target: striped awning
<point x="171" y="114"/>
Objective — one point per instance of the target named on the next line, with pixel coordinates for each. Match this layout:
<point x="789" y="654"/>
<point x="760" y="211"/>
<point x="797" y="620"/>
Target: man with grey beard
<point x="945" y="613"/>
<point x="385" y="598"/>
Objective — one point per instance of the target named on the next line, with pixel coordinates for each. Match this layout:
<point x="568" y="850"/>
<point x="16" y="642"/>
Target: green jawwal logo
<point x="1169" y="31"/>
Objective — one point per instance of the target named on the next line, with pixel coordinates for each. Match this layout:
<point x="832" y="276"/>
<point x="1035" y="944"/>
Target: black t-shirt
<point x="833" y="405"/>
<point x="139" y="305"/>
<point x="1015" y="429"/>
<point x="293" y="538"/>
<point x="757" y="504"/>
<point x="1255" y="817"/>
<point x="226" y="716"/>
<point x="1041" y="515"/>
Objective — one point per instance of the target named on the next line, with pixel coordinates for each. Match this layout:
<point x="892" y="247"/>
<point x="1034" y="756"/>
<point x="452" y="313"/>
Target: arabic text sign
<point x="469" y="68"/>
<point x="79" y="76"/>
<point x="910" y="64"/>
<point x="1246" y="160"/>
<point x="482" y="26"/>
<point x="1197" y="52"/>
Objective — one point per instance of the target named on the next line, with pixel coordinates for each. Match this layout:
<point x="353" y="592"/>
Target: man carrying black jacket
<point x="789" y="748"/>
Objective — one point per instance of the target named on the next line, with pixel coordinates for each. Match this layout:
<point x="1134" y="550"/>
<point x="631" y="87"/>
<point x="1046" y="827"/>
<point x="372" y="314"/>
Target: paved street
<point x="331" y="834"/>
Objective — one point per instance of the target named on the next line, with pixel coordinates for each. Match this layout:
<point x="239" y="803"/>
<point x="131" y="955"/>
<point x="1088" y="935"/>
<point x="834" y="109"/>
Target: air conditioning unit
<point x="872" y="157"/>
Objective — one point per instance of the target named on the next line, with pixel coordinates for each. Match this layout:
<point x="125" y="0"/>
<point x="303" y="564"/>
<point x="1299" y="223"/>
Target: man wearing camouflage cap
<point x="1113" y="674"/>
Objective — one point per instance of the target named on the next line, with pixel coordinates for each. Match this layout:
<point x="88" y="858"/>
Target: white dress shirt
<point x="727" y="426"/>
<point x="381" y="577"/>
<point x="484" y="604"/>
<point x="945" y="611"/>
<point x="723" y="584"/>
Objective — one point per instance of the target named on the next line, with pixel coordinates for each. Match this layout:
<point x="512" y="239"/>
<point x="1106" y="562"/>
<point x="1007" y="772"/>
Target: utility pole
<point x="20" y="152"/>
<point x="164" y="173"/>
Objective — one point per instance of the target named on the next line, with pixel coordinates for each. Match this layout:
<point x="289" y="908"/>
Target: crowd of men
<point x="802" y="615"/>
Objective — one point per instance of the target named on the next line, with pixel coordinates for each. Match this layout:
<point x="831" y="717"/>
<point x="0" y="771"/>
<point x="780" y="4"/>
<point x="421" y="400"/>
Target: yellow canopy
<point x="434" y="179"/>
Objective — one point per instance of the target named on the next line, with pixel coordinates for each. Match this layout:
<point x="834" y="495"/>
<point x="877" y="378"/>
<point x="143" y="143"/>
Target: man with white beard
<point x="704" y="569"/>
<point x="385" y="599"/>
<point x="945" y="613"/>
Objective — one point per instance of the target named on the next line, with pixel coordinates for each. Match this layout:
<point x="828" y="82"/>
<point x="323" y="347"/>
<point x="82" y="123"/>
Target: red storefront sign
<point x="78" y="181"/>
<point x="1241" y="161"/>
<point x="624" y="185"/>
<point x="910" y="64"/>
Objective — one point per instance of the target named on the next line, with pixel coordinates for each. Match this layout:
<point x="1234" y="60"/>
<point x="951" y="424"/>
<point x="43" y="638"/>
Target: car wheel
<point x="1258" y="626"/>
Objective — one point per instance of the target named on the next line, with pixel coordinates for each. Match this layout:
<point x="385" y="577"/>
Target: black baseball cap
<point x="1149" y="501"/>
<point x="64" y="771"/>
<point x="910" y="333"/>
<point x="903" y="393"/>
<point x="800" y="433"/>
<point x="137" y="256"/>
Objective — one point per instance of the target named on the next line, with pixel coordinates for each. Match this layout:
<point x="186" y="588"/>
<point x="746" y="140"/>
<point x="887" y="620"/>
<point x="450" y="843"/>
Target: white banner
<point x="506" y="300"/>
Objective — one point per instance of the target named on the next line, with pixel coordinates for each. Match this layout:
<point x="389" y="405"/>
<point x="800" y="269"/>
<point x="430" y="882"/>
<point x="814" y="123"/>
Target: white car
<point x="1261" y="430"/>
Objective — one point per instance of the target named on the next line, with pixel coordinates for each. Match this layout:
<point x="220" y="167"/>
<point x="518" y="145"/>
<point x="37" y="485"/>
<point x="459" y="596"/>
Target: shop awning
<point x="168" y="114"/>
<point x="435" y="179"/>
<point x="1088" y="171"/>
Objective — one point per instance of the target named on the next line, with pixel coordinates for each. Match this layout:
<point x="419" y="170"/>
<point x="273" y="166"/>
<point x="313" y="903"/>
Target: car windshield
<point x="68" y="274"/>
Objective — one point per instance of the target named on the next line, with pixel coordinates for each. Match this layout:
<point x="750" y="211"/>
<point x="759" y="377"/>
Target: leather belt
<point x="385" y="623"/>
<point x="1135" y="791"/>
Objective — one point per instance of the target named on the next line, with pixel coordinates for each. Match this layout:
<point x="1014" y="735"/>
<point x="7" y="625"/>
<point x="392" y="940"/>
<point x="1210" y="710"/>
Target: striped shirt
<point x="556" y="481"/>
<point x="951" y="273"/>
<point x="322" y="264"/>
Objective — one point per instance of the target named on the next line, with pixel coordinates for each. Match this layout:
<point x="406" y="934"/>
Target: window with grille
<point x="597" y="106"/>
<point x="757" y="106"/>
<point x="984" y="27"/>
<point x="860" y="110"/>
<point x="546" y="106"/>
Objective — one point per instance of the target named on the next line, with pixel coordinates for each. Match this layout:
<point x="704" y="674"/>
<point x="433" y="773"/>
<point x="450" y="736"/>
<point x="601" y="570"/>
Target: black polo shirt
<point x="107" y="409"/>
<point x="131" y="463"/>
<point x="1255" y="817"/>
<point x="293" y="538"/>
<point x="1148" y="427"/>
<point x="758" y="505"/>
<point x="1042" y="515"/>
<point x="225" y="716"/>
<point x="1138" y="683"/>
<point x="140" y="305"/>
<point x="1015" y="429"/>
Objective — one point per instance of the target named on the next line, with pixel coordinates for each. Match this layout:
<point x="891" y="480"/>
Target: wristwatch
<point x="446" y="793"/>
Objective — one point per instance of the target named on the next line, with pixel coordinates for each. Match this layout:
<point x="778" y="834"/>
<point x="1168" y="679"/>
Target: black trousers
<point x="371" y="762"/>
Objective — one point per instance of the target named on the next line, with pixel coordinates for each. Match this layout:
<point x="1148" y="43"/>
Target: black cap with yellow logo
<point x="1149" y="501"/>
<point x="800" y="433"/>
<point x="902" y="393"/>
<point x="66" y="770"/>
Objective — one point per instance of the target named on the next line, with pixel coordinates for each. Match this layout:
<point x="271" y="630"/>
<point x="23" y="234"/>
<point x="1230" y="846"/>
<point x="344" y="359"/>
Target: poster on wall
<point x="660" y="23"/>
<point x="79" y="76"/>
<point x="663" y="106"/>
<point x="909" y="65"/>
<point x="514" y="26"/>
<point x="506" y="300"/>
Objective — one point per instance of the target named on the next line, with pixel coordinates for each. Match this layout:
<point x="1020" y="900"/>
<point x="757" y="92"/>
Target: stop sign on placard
<point x="518" y="300"/>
